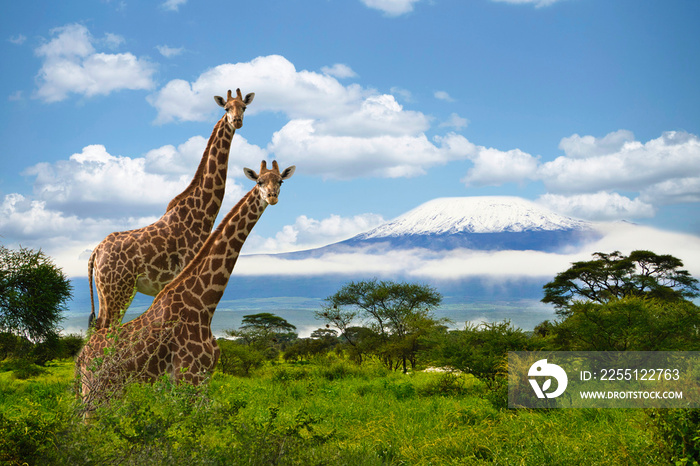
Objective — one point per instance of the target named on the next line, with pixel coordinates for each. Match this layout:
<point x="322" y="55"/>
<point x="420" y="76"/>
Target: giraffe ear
<point x="250" y="174"/>
<point x="220" y="100"/>
<point x="288" y="172"/>
<point x="249" y="98"/>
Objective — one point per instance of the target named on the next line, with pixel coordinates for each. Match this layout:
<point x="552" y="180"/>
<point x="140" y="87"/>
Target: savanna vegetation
<point x="365" y="387"/>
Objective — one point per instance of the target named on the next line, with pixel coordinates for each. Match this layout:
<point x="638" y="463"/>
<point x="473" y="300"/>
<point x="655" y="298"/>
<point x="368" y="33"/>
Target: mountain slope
<point x="480" y="223"/>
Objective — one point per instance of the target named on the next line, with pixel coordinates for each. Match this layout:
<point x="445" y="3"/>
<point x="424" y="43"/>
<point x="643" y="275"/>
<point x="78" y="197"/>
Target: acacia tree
<point x="264" y="332"/>
<point x="263" y="327"/>
<point x="398" y="312"/>
<point x="33" y="294"/>
<point x="614" y="276"/>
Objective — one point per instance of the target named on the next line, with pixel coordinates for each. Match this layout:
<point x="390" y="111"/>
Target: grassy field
<point x="324" y="413"/>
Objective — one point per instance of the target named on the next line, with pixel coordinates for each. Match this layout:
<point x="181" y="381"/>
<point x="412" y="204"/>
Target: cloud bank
<point x="592" y="180"/>
<point x="421" y="264"/>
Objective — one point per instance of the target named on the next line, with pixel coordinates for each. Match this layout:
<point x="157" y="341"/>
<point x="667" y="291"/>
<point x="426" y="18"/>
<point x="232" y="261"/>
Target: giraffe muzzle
<point x="272" y="200"/>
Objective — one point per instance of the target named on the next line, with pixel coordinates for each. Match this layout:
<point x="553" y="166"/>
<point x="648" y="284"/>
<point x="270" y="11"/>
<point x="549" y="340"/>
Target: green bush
<point x="23" y="369"/>
<point x="238" y="359"/>
<point x="677" y="434"/>
<point x="445" y="384"/>
<point x="27" y="438"/>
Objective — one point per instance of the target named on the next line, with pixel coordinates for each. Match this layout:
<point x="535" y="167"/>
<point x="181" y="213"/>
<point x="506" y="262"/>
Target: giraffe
<point x="173" y="336"/>
<point x="149" y="258"/>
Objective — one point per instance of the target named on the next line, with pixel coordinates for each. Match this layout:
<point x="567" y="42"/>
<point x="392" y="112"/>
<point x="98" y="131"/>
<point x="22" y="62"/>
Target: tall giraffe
<point x="149" y="258"/>
<point x="174" y="335"/>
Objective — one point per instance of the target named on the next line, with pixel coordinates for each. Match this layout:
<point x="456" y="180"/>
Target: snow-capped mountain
<point x="480" y="223"/>
<point x="488" y="214"/>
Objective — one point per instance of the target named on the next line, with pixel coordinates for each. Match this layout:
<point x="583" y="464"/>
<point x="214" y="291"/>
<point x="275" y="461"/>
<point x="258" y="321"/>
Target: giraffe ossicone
<point x="148" y="258"/>
<point x="173" y="337"/>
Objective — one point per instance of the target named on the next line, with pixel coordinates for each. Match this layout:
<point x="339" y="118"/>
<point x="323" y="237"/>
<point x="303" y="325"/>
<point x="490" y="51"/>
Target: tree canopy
<point x="614" y="276"/>
<point x="399" y="314"/>
<point x="263" y="328"/>
<point x="629" y="324"/>
<point x="33" y="293"/>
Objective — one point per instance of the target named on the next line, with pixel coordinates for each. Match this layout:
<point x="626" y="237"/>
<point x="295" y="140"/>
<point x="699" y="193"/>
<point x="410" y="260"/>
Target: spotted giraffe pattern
<point x="174" y="335"/>
<point x="149" y="258"/>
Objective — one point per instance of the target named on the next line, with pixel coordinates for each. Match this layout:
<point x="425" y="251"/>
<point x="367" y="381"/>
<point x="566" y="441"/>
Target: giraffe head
<point x="269" y="181"/>
<point x="235" y="107"/>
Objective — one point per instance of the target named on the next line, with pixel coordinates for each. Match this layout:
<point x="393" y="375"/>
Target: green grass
<point x="312" y="414"/>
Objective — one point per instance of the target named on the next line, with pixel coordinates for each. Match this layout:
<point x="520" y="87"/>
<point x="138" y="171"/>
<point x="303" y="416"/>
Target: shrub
<point x="446" y="384"/>
<point x="481" y="350"/>
<point x="677" y="433"/>
<point x="238" y="359"/>
<point x="71" y="345"/>
<point x="23" y="369"/>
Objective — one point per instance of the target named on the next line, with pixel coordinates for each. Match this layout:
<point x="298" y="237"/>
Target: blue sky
<point x="588" y="107"/>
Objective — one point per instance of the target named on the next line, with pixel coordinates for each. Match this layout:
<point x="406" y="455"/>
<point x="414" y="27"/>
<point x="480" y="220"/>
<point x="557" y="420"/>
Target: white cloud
<point x="72" y="65"/>
<point x="339" y="70"/>
<point x="442" y="95"/>
<point x="384" y="156"/>
<point x="598" y="206"/>
<point x="536" y="3"/>
<point x="673" y="191"/>
<point x="173" y="5"/>
<point x="588" y="181"/>
<point x="178" y="160"/>
<point x="455" y="121"/>
<point x="30" y="223"/>
<point x="19" y="39"/>
<point x="334" y="130"/>
<point x="405" y="94"/>
<point x="169" y="52"/>
<point x="279" y="87"/>
<point x="495" y="167"/>
<point x="377" y="115"/>
<point x="96" y="177"/>
<point x="113" y="41"/>
<point x="95" y="182"/>
<point x="583" y="147"/>
<point x="391" y="7"/>
<point x="308" y="233"/>
<point x="618" y="162"/>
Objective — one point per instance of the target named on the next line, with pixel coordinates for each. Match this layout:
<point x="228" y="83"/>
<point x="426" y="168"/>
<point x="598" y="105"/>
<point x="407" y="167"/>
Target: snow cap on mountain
<point x="486" y="214"/>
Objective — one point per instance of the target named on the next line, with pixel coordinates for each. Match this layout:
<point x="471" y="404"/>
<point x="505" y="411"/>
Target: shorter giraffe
<point x="148" y="258"/>
<point x="174" y="335"/>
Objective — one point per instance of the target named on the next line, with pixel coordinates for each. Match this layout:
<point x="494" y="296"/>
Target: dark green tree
<point x="613" y="276"/>
<point x="629" y="324"/>
<point x="398" y="312"/>
<point x="322" y="340"/>
<point x="238" y="358"/>
<point x="33" y="294"/>
<point x="265" y="332"/>
<point x="262" y="327"/>
<point x="481" y="349"/>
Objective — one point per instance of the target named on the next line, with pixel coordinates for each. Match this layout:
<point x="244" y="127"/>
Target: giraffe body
<point x="148" y="258"/>
<point x="174" y="335"/>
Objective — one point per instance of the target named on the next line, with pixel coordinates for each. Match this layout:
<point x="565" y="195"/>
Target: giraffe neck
<point x="204" y="279"/>
<point x="209" y="182"/>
